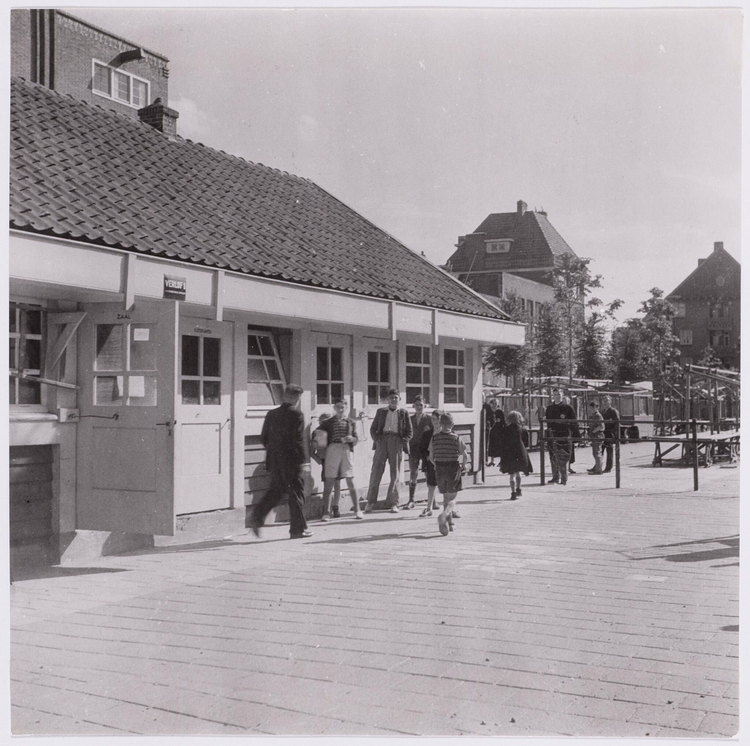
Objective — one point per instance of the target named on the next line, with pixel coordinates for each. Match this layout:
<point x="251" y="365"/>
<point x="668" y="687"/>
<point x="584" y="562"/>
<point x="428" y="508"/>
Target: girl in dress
<point x="514" y="458"/>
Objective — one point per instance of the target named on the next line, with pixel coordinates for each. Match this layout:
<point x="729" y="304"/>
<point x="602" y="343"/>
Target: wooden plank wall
<point x="257" y="479"/>
<point x="467" y="435"/>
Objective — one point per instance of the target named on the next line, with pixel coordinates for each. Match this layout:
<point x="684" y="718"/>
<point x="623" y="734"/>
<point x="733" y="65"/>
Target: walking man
<point x="596" y="431"/>
<point x="391" y="432"/>
<point x="563" y="426"/>
<point x="611" y="426"/>
<point x="286" y="462"/>
<point x="420" y="422"/>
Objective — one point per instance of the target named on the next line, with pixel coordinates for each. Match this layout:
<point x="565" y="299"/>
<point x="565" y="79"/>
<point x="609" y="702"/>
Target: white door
<point x="203" y="414"/>
<point x="126" y="429"/>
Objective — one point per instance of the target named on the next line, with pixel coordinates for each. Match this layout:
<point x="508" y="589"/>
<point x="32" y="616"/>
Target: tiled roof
<point x="717" y="276"/>
<point x="80" y="172"/>
<point x="532" y="227"/>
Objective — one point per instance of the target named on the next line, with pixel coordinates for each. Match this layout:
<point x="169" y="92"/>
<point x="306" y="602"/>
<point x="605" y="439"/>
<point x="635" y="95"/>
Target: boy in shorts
<point x="318" y="446"/>
<point x="339" y="461"/>
<point x="427" y="466"/>
<point x="448" y="453"/>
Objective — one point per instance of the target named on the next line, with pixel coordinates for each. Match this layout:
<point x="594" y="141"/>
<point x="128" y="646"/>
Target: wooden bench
<point x="711" y="447"/>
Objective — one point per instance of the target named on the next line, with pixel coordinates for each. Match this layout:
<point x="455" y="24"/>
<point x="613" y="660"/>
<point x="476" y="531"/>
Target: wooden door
<point x="126" y="429"/>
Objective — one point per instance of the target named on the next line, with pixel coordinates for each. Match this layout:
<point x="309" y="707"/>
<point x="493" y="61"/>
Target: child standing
<point x="596" y="432"/>
<point x="427" y="466"/>
<point x="448" y="453"/>
<point x="514" y="458"/>
<point x="318" y="448"/>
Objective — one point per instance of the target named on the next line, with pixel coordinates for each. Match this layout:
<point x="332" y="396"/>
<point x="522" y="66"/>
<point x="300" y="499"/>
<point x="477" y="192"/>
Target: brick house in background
<point x="71" y="56"/>
<point x="511" y="253"/>
<point x="709" y="309"/>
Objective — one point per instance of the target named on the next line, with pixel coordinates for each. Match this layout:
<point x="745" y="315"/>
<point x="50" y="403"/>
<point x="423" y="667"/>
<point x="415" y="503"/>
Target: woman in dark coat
<point x="514" y="458"/>
<point x="495" y="422"/>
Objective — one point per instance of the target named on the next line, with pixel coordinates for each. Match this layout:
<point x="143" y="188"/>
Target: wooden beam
<point x="130" y="269"/>
<point x="71" y="322"/>
<point x="219" y="294"/>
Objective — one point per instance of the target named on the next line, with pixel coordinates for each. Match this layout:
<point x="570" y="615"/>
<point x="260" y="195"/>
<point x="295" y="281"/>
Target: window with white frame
<point x="417" y="373"/>
<point x="679" y="309"/>
<point x="378" y="376"/>
<point x="201" y="370"/>
<point x="719" y="339"/>
<point x="686" y="336"/>
<point x="454" y="372"/>
<point x="330" y="374"/>
<point x="26" y="325"/>
<point x="119" y="86"/>
<point x="265" y="374"/>
<point x="497" y="247"/>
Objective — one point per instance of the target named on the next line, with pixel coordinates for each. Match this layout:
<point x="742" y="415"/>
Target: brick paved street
<point x="577" y="610"/>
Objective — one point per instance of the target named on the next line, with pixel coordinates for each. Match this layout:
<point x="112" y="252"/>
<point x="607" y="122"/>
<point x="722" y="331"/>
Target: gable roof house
<point x="162" y="295"/>
<point x="709" y="309"/>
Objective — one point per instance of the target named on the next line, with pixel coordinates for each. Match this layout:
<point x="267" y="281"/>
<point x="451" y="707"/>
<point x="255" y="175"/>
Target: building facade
<point x="164" y="293"/>
<point x="708" y="303"/>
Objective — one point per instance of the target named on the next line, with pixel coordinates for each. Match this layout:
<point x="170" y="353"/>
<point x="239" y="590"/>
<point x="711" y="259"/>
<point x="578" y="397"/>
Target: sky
<point x="623" y="125"/>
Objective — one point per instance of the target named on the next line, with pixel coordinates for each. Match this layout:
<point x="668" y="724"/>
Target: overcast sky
<point x="623" y="125"/>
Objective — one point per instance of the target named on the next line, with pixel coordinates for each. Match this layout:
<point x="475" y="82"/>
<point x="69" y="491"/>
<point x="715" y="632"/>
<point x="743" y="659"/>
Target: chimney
<point x="159" y="117"/>
<point x="521" y="208"/>
<point x="718" y="245"/>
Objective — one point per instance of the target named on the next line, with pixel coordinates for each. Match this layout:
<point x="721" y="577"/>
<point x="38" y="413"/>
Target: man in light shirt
<point x="391" y="431"/>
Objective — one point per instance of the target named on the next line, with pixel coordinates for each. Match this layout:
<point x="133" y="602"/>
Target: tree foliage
<point x="660" y="345"/>
<point x="626" y="351"/>
<point x="550" y="357"/>
<point x="504" y="359"/>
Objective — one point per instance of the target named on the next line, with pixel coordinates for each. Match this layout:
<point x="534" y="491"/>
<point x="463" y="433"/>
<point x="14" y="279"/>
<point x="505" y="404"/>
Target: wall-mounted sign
<point x="175" y="288"/>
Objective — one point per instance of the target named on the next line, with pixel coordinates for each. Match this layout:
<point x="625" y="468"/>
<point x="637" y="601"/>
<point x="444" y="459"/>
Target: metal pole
<point x="617" y="456"/>
<point x="482" y="444"/>
<point x="694" y="426"/>
<point x="542" y="449"/>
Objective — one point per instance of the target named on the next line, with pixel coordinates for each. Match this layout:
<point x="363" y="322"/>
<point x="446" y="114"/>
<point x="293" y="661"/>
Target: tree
<point x="550" y="358"/>
<point x="573" y="282"/>
<point x="592" y="362"/>
<point x="660" y="344"/>
<point x="507" y="360"/>
<point x="626" y="352"/>
<point x="709" y="358"/>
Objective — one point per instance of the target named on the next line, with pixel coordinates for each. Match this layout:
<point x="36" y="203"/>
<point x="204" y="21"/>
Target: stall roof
<point x="84" y="173"/>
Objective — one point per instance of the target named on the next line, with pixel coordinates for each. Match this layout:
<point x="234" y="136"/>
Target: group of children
<point x="442" y="454"/>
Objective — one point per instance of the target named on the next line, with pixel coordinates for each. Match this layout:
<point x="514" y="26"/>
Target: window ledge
<point x="33" y="417"/>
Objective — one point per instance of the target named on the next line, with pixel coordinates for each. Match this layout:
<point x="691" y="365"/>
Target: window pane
<point x="450" y="357"/>
<point x="12" y="318"/>
<point x="109" y="347"/>
<point x="372" y="366"/>
<point x="191" y="392"/>
<point x="122" y="87"/>
<point x="322" y="363"/>
<point x="426" y="394"/>
<point x="33" y="322"/>
<point x="212" y="392"/>
<point x="460" y="395"/>
<point x="413" y="354"/>
<point x="450" y="396"/>
<point x="277" y="390"/>
<point x="273" y="371"/>
<point x="384" y="392"/>
<point x="140" y="93"/>
<point x="460" y="357"/>
<point x="108" y="390"/>
<point x="211" y="356"/>
<point x="12" y="361"/>
<point x="259" y="395"/>
<point x="461" y="376"/>
<point x="385" y="367"/>
<point x="413" y="374"/>
<point x="426" y="355"/>
<point x="322" y="393"/>
<point x="190" y="348"/>
<point x="450" y="376"/>
<point x="253" y="346"/>
<point x="337" y="391"/>
<point x="33" y="356"/>
<point x="28" y="392"/>
<point x="266" y="346"/>
<point x="142" y="348"/>
<point x="337" y="373"/>
<point x="101" y="79"/>
<point x="425" y="375"/>
<point x="142" y="391"/>
<point x="12" y="390"/>
<point x="255" y="370"/>
<point x="372" y="395"/>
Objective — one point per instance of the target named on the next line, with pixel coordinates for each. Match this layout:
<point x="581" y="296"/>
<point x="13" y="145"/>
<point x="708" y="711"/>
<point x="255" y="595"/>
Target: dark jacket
<point x="514" y="441"/>
<point x="351" y="429"/>
<point x="611" y="419"/>
<point x="404" y="427"/>
<point x="283" y="438"/>
<point x="564" y="420"/>
<point x="418" y="431"/>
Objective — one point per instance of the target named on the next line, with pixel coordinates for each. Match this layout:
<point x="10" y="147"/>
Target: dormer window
<point x="119" y="86"/>
<point x="496" y="246"/>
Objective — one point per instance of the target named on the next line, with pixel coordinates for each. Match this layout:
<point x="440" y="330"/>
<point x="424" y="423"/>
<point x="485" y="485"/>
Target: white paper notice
<point x="137" y="385"/>
<point x="140" y="334"/>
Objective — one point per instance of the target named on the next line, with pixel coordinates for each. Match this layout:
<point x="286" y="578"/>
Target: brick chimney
<point x="159" y="117"/>
<point x="718" y="245"/>
<point x="521" y="208"/>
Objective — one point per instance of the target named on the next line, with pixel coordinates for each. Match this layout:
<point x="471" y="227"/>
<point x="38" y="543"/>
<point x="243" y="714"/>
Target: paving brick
<point x="670" y="716"/>
<point x="715" y="724"/>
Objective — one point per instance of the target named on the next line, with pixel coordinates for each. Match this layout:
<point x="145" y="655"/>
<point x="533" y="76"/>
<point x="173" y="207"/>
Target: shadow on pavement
<point x="731" y="628"/>
<point x="730" y="548"/>
<point x="56" y="571"/>
<point x="379" y="537"/>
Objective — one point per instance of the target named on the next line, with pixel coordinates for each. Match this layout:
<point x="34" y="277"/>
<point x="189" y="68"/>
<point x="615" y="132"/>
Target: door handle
<point x="169" y="424"/>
